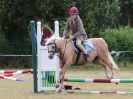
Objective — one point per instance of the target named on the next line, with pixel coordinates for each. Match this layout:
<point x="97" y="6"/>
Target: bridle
<point x="56" y="49"/>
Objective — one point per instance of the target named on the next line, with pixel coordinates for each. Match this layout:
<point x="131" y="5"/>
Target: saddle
<point x="87" y="45"/>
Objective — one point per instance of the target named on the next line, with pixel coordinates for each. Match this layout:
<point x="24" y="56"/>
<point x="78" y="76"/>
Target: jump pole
<point x="13" y="71"/>
<point x="17" y="72"/>
<point x="91" y="80"/>
<point x="10" y="78"/>
<point x="7" y="71"/>
<point x="98" y="92"/>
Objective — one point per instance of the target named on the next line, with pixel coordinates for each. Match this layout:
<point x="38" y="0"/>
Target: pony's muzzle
<point x="50" y="56"/>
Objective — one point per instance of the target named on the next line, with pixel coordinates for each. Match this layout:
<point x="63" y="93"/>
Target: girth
<point x="78" y="53"/>
<point x="77" y="58"/>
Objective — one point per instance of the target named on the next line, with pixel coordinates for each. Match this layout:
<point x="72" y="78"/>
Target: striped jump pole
<point x="7" y="71"/>
<point x="91" y="80"/>
<point x="18" y="72"/>
<point x="12" y="71"/>
<point x="10" y="78"/>
<point x="98" y="92"/>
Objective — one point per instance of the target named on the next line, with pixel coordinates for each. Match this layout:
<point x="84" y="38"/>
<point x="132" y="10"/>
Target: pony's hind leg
<point x="108" y="70"/>
<point x="108" y="60"/>
<point x="110" y="73"/>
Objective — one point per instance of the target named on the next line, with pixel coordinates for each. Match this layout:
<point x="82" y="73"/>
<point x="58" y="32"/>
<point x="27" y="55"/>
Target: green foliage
<point x="5" y="47"/>
<point x="15" y="17"/>
<point x="126" y="12"/>
<point x="14" y="21"/>
<point x="97" y="16"/>
<point x="120" y="40"/>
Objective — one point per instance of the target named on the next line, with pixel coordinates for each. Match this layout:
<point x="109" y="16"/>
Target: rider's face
<point x="73" y="16"/>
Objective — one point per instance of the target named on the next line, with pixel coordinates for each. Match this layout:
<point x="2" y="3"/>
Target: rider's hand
<point x="71" y="37"/>
<point x="63" y="37"/>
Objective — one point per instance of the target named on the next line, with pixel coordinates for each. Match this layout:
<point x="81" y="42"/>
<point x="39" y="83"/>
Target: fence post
<point x="34" y="57"/>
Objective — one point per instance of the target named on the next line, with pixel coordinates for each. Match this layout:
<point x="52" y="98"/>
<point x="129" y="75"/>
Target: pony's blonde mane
<point x="48" y="40"/>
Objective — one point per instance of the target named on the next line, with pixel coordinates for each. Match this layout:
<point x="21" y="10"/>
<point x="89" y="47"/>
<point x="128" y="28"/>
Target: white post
<point x="38" y="33"/>
<point x="48" y="69"/>
<point x="56" y="33"/>
<point x="38" y="54"/>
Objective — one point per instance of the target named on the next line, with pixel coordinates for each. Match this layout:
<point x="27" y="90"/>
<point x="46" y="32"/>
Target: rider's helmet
<point x="73" y="11"/>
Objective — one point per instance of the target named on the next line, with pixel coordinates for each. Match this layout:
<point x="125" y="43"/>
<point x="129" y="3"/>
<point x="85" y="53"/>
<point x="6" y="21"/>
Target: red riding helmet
<point x="73" y="10"/>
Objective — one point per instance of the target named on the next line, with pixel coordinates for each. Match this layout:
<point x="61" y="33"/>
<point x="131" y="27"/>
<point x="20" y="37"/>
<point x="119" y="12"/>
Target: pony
<point x="67" y="56"/>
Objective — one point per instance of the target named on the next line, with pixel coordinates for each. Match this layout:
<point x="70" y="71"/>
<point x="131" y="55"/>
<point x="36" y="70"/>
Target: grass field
<point x="24" y="90"/>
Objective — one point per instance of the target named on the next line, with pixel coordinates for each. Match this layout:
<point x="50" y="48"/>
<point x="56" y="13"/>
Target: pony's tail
<point x="113" y="62"/>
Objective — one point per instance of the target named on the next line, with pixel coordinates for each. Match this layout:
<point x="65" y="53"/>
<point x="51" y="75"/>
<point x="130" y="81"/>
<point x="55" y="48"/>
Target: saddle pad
<point x="87" y="44"/>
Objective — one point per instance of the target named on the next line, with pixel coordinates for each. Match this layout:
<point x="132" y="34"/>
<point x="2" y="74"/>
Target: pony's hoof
<point x="57" y="86"/>
<point x="59" y="90"/>
<point x="114" y="77"/>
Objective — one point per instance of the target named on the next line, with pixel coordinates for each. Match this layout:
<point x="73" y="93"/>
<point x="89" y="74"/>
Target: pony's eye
<point x="53" y="47"/>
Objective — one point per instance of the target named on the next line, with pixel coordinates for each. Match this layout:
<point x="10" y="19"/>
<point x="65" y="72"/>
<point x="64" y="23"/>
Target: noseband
<point x="55" y="47"/>
<point x="56" y="50"/>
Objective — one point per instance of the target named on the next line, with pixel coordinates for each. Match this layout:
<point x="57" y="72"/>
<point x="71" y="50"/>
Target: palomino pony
<point x="67" y="55"/>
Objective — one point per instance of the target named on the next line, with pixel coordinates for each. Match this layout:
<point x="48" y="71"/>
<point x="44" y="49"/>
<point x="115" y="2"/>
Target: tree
<point x="16" y="14"/>
<point x="14" y="20"/>
<point x="98" y="15"/>
<point x="126" y="12"/>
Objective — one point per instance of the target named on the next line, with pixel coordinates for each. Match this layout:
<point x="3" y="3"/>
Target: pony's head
<point x="52" y="48"/>
<point x="54" y="45"/>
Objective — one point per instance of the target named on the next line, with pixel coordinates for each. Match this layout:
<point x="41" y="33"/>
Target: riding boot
<point x="87" y="57"/>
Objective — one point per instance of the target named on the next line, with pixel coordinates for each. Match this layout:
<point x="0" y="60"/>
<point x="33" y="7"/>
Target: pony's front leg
<point x="60" y="86"/>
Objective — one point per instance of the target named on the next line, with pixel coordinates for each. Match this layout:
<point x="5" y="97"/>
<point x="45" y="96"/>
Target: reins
<point x="61" y="58"/>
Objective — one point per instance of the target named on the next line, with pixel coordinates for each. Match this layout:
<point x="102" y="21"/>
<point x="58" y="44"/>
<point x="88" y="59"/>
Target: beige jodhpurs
<point x="79" y="41"/>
